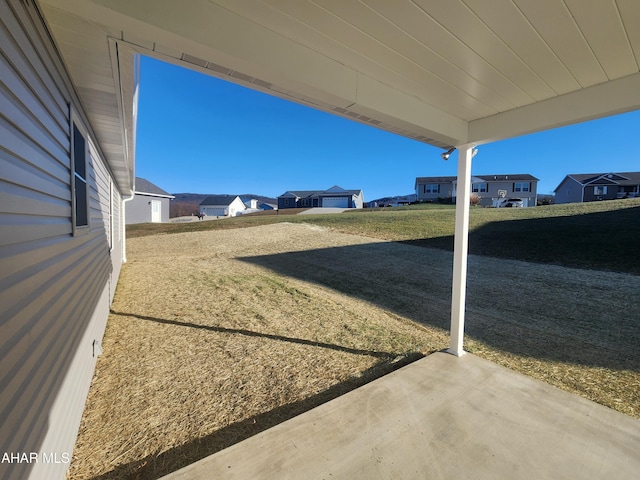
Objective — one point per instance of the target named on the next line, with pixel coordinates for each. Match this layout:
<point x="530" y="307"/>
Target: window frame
<point x="79" y="175"/>
<point x="600" y="189"/>
<point x="429" y="188"/>
<point x="519" y="187"/>
<point x="481" y="187"/>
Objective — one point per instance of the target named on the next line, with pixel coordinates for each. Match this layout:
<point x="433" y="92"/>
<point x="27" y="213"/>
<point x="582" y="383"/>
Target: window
<point x="522" y="187"/>
<point x="110" y="230"/>
<point x="432" y="188"/>
<point x="79" y="181"/>
<point x="600" y="190"/>
<point x="286" y="202"/>
<point x="479" y="187"/>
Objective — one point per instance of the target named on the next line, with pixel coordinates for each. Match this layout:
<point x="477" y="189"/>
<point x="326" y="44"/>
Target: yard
<point x="218" y="334"/>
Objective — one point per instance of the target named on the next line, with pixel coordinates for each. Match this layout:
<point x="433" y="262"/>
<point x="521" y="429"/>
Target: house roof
<point x="333" y="191"/>
<point x="145" y="187"/>
<point x="508" y="178"/>
<point x="487" y="178"/>
<point x="610" y="178"/>
<point x="435" y="179"/>
<point x="443" y="73"/>
<point x="218" y="200"/>
<point x="299" y="193"/>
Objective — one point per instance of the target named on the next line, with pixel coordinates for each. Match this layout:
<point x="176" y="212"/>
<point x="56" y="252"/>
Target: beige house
<point x="493" y="190"/>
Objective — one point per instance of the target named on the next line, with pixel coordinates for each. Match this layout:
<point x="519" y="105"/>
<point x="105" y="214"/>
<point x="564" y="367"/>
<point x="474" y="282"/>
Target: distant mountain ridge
<point x="189" y="203"/>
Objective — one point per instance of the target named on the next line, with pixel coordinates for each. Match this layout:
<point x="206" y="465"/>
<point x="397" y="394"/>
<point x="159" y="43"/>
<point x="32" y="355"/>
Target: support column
<point x="461" y="248"/>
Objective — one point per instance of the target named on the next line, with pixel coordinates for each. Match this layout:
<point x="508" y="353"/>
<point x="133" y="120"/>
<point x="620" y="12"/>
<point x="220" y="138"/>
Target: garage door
<point x="335" y="202"/>
<point x="214" y="211"/>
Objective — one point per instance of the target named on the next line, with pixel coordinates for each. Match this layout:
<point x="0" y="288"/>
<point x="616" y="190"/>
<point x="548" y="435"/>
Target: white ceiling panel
<point x="409" y="18"/>
<point x="603" y="29"/>
<point x="462" y="22"/>
<point x="557" y="28"/>
<point x="630" y="14"/>
<point x="507" y="22"/>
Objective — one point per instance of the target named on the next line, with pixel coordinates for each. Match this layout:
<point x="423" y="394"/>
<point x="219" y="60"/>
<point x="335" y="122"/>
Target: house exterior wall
<point x="445" y="190"/>
<point x="236" y="206"/>
<point x="591" y="195"/>
<point x="138" y="210"/>
<point x="55" y="284"/>
<point x="569" y="191"/>
<point x="287" y="202"/>
<point x="491" y="197"/>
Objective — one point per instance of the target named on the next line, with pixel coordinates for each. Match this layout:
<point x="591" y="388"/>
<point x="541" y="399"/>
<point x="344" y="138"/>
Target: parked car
<point x="511" y="202"/>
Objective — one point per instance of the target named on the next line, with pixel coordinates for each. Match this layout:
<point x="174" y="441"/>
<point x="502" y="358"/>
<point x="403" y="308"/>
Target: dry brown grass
<point x="218" y="335"/>
<point x="203" y="349"/>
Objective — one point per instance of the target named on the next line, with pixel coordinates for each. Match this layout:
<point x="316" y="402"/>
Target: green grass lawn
<point x="598" y="235"/>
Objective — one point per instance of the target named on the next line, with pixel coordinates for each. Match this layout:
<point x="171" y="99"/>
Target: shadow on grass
<point x="607" y="241"/>
<point x="157" y="465"/>
<point x="544" y="312"/>
<point x="250" y="333"/>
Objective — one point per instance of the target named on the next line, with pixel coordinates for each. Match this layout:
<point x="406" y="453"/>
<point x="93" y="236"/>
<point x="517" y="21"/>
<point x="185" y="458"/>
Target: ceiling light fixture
<point x="445" y="156"/>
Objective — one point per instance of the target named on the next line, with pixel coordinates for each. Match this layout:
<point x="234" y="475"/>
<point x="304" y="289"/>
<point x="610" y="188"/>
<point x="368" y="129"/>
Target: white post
<point x="461" y="247"/>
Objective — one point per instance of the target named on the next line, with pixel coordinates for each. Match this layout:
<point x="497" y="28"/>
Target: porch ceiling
<point x="443" y="72"/>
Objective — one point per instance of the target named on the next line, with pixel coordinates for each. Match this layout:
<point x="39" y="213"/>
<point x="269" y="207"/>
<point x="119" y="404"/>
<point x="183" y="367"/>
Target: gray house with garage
<point x="334" y="197"/>
<point x="149" y="204"/>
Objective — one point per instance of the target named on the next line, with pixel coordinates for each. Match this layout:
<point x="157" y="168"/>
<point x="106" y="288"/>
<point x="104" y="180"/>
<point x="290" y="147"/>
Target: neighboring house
<point x="334" y="197"/>
<point x="590" y="187"/>
<point x="222" y="206"/>
<point x="150" y="204"/>
<point x="492" y="189"/>
<point x="405" y="200"/>
<point x="250" y="203"/>
<point x="393" y="201"/>
<point x="64" y="182"/>
<point x="267" y="206"/>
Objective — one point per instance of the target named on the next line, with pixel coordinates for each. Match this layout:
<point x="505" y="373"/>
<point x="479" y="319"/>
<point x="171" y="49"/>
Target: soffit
<point x="443" y="72"/>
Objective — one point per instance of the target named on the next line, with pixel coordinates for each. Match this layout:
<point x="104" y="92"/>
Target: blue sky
<point x="199" y="134"/>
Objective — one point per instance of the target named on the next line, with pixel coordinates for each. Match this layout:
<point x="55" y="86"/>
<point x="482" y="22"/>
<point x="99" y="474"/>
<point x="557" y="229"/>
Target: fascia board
<point x="610" y="98"/>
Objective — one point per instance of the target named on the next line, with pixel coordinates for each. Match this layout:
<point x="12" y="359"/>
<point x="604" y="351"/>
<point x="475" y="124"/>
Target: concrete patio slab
<point x="442" y="417"/>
